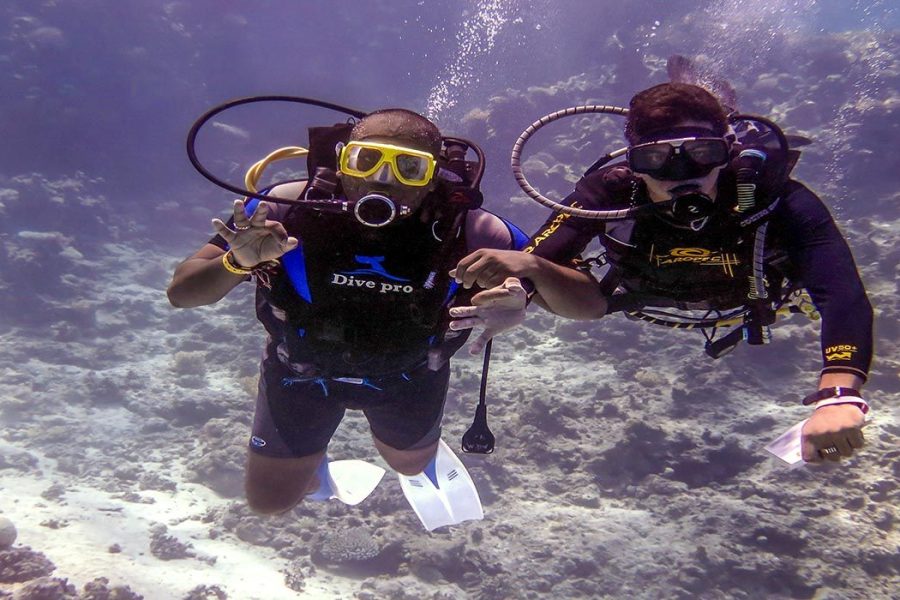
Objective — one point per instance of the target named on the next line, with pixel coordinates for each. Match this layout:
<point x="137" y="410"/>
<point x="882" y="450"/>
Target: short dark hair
<point x="664" y="106"/>
<point x="402" y="124"/>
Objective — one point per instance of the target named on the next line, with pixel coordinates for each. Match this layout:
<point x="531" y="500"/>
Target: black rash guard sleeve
<point x="562" y="238"/>
<point x="802" y="226"/>
<point x="822" y="261"/>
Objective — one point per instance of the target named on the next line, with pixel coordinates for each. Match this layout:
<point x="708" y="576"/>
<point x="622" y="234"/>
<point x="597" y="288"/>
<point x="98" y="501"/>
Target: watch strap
<point x="831" y="392"/>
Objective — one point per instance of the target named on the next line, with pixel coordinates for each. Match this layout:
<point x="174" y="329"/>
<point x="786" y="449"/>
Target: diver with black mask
<point x="700" y="215"/>
<point x="352" y="289"/>
<point x="679" y="167"/>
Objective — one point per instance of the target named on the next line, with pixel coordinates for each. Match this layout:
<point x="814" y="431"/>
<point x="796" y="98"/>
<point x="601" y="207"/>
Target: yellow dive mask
<point x="411" y="167"/>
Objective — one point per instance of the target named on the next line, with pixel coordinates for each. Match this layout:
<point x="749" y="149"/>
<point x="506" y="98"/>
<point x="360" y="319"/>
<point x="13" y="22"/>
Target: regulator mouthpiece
<point x="689" y="207"/>
<point x="377" y="210"/>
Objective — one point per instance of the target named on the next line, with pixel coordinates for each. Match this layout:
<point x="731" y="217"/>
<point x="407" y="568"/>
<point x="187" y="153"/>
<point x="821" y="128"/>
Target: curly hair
<point x="668" y="104"/>
<point x="402" y="124"/>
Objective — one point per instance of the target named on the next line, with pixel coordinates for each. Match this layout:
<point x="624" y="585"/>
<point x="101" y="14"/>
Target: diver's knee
<point x="408" y="468"/>
<point x="409" y="462"/>
<point x="270" y="503"/>
<point x="273" y="486"/>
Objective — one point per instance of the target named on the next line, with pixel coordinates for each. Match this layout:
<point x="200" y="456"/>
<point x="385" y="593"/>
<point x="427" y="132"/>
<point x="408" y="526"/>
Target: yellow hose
<point x="781" y="312"/>
<point x="256" y="171"/>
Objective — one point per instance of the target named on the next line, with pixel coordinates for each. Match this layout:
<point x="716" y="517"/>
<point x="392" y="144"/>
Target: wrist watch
<point x="831" y="392"/>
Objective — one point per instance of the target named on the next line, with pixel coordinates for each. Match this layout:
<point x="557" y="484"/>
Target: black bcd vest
<point x="658" y="264"/>
<point x="365" y="301"/>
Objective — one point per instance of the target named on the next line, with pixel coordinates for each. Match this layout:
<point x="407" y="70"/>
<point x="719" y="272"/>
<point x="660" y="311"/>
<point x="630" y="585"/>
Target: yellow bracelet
<point x="231" y="267"/>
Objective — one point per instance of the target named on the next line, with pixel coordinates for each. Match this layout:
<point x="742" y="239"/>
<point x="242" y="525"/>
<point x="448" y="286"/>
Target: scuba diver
<point x="700" y="215"/>
<point x="352" y="287"/>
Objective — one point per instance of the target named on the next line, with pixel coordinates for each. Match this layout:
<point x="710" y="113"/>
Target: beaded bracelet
<point x="231" y="267"/>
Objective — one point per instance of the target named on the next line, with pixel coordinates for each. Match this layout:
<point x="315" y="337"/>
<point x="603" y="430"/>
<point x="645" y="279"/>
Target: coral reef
<point x="628" y="465"/>
<point x="166" y="547"/>
<point x="23" y="564"/>
<point x="8" y="533"/>
<point x="347" y="546"/>
<point x="207" y="592"/>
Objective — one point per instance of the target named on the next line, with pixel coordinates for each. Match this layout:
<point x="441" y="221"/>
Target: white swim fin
<point x="350" y="481"/>
<point x="443" y="494"/>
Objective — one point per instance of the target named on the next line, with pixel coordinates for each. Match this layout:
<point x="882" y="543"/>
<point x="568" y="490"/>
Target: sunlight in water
<point x="868" y="85"/>
<point x="475" y="39"/>
<point x="744" y="38"/>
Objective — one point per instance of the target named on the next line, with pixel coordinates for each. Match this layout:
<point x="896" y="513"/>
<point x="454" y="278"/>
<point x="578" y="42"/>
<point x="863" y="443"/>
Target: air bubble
<point x="474" y="42"/>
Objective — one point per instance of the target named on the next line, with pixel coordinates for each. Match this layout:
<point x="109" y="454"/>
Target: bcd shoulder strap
<point x="322" y="143"/>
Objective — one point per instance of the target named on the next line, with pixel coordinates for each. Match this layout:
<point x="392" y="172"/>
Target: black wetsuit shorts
<point x="296" y="416"/>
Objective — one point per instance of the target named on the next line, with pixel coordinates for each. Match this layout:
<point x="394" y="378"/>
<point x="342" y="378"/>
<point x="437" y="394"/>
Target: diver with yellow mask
<point x="352" y="286"/>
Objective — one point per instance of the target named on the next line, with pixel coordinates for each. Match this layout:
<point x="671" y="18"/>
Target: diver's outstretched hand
<point x="488" y="268"/>
<point x="255" y="240"/>
<point x="832" y="432"/>
<point x="497" y="310"/>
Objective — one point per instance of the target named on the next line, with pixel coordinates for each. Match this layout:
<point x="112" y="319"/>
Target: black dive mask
<point x="688" y="207"/>
<point x="679" y="153"/>
<point x="679" y="159"/>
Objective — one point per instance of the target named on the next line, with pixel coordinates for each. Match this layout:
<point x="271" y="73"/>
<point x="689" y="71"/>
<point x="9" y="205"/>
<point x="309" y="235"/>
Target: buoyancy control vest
<point x="655" y="264"/>
<point x="360" y="301"/>
<point x="762" y="157"/>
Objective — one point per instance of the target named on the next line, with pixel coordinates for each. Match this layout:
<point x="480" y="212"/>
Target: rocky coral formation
<point x="29" y="574"/>
<point x="167" y="547"/>
<point x="23" y="564"/>
<point x="8" y="533"/>
<point x="627" y="464"/>
<point x="347" y="546"/>
<point x="207" y="592"/>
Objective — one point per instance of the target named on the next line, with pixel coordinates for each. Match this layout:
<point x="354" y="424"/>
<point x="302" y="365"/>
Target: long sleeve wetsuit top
<point x="818" y="259"/>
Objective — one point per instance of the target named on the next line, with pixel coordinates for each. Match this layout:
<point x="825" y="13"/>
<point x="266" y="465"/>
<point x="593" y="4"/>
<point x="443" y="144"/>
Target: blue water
<point x="96" y="98"/>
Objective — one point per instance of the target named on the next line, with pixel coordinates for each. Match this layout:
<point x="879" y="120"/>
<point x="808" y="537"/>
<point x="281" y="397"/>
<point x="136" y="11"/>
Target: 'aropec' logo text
<point x="552" y="227"/>
<point x="697" y="256"/>
<point x="374" y="267"/>
<point x="840" y="352"/>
